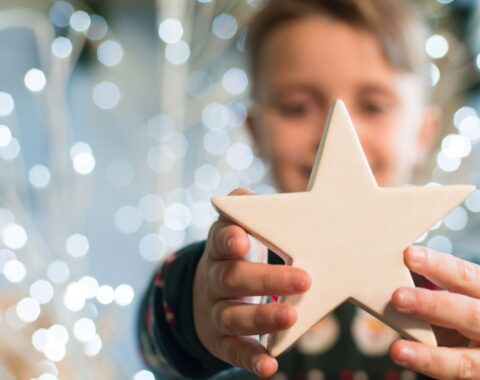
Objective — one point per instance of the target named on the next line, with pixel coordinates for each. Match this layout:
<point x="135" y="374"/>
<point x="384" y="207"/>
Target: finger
<point x="441" y="308"/>
<point x="445" y="270"/>
<point x="227" y="241"/>
<point x="238" y="318"/>
<point x="233" y="279"/>
<point x="247" y="353"/>
<point x="437" y="362"/>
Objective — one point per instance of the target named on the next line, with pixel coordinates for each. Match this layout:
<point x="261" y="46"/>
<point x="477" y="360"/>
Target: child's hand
<point x="224" y="322"/>
<point x="455" y="311"/>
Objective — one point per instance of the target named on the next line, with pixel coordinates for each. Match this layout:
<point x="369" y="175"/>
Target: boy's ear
<point x="428" y="133"/>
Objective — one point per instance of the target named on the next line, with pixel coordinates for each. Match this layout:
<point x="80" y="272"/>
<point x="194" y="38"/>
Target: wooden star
<point x="347" y="232"/>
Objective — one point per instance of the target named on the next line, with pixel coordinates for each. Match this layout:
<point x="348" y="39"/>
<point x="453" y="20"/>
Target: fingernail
<point x="299" y="281"/>
<point x="258" y="367"/>
<point x="405" y="299"/>
<point x="405" y="355"/>
<point x="231" y="244"/>
<point x="279" y="315"/>
<point x="416" y="255"/>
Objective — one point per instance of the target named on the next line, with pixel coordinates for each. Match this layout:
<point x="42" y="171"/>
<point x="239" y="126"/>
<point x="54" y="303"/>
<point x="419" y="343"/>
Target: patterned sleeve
<point x="167" y="336"/>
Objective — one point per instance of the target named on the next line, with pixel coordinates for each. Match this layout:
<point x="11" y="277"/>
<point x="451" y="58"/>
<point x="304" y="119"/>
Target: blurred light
<point x="14" y="236"/>
<point x="14" y="271"/>
<point x="124" y="295"/>
<point x="54" y="351"/>
<point x="202" y="213"/>
<point x="160" y="160"/>
<point x="177" y="216"/>
<point x="207" y="177"/>
<point x="470" y="127"/>
<point x="28" y="310"/>
<point x="144" y="374"/>
<point x="39" y="339"/>
<point x="446" y="163"/>
<point x="478" y="61"/>
<point x="473" y="201"/>
<point x="127" y="219"/>
<point x="152" y="247"/>
<point x="434" y="74"/>
<point x="58" y="272"/>
<point x="84" y="330"/>
<point x="61" y="47"/>
<point x="173" y="238"/>
<point x="239" y="156"/>
<point x="178" y="52"/>
<point x="440" y="243"/>
<point x="74" y="298"/>
<point x="199" y="84"/>
<point x="98" y="28"/>
<point x="224" y="26"/>
<point x="216" y="142"/>
<point x="151" y="207"/>
<point x="82" y="158"/>
<point x="39" y="176"/>
<point x="41" y="291"/>
<point x="77" y="245"/>
<point x="60" y="13"/>
<point x="255" y="171"/>
<point x="5" y="256"/>
<point x="106" y="95"/>
<point x="80" y="21"/>
<point x="445" y="1"/>
<point x="47" y="376"/>
<point x="215" y="116"/>
<point x="176" y="144"/>
<point x="170" y="30"/>
<point x="461" y="114"/>
<point x="120" y="172"/>
<point x="5" y="135"/>
<point x="456" y="219"/>
<point x="6" y="217"/>
<point x="11" y="151"/>
<point x="35" y="80"/>
<point x="237" y="114"/>
<point x="47" y="367"/>
<point x="58" y="333"/>
<point x="110" y="53"/>
<point x="6" y="104"/>
<point x="436" y="46"/>
<point x="160" y="125"/>
<point x="89" y="286"/>
<point x="456" y="146"/>
<point x="93" y="347"/>
<point x="105" y="294"/>
<point x="235" y="81"/>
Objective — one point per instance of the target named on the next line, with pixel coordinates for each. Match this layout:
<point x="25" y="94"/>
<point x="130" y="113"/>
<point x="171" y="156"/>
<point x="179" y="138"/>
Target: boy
<point x="304" y="54"/>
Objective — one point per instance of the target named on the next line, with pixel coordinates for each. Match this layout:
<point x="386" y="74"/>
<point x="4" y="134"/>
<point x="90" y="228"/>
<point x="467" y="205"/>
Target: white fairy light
<point x="14" y="271"/>
<point x="239" y="156"/>
<point x="41" y="291"/>
<point x="5" y="135"/>
<point x="170" y="30"/>
<point x="457" y="219"/>
<point x="84" y="330"/>
<point x="224" y="26"/>
<point x="473" y="201"/>
<point x="448" y="164"/>
<point x="440" y="243"/>
<point x="98" y="28"/>
<point x="14" y="236"/>
<point x="60" y="13"/>
<point x="207" y="177"/>
<point x="39" y="339"/>
<point x="177" y="53"/>
<point x="177" y="217"/>
<point x="216" y="142"/>
<point x="35" y="80"/>
<point x="110" y="53"/>
<point x="436" y="46"/>
<point x="151" y="207"/>
<point x="434" y="74"/>
<point x="80" y="21"/>
<point x="152" y="247"/>
<point x="28" y="310"/>
<point x="58" y="272"/>
<point x="144" y="375"/>
<point x="11" y="151"/>
<point x="235" y="81"/>
<point x="89" y="285"/>
<point x="128" y="219"/>
<point x="39" y="176"/>
<point x="58" y="333"/>
<point x="124" y="295"/>
<point x="93" y="347"/>
<point x="77" y="245"/>
<point x="5" y="256"/>
<point x="74" y="297"/>
<point x="6" y="104"/>
<point x="106" y="95"/>
<point x="84" y="163"/>
<point x="61" y="47"/>
<point x="54" y="351"/>
<point x="105" y="294"/>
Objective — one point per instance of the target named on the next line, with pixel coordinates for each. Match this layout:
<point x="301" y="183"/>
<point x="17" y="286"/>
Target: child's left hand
<point x="456" y="312"/>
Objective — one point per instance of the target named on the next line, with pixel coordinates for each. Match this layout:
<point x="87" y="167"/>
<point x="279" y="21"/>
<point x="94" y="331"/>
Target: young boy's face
<point x="305" y="66"/>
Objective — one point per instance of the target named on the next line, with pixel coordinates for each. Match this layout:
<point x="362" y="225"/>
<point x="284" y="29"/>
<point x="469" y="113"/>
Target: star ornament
<point x="347" y="232"/>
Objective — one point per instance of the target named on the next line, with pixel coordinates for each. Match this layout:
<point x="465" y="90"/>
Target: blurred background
<point x="118" y="121"/>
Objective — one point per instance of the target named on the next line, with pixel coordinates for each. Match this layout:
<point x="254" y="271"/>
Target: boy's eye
<point x="375" y="107"/>
<point x="294" y="109"/>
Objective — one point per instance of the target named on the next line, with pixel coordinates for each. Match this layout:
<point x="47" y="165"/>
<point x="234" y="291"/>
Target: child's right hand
<point x="223" y="322"/>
